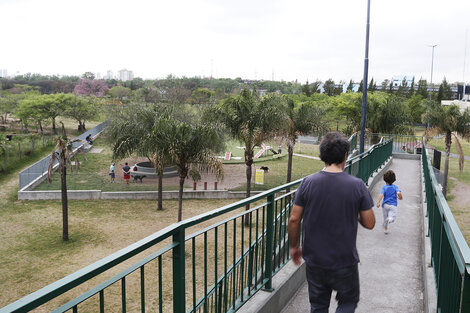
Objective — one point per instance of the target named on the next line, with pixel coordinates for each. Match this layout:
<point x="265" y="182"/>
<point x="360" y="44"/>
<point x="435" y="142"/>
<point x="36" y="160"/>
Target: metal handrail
<point x="450" y="253"/>
<point x="252" y="267"/>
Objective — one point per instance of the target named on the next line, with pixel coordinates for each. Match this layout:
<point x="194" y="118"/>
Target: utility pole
<point x="432" y="67"/>
<point x="364" y="84"/>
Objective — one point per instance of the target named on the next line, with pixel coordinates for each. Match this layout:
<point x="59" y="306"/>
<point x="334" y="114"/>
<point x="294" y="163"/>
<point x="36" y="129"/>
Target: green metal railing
<point x="353" y="142"/>
<point x="450" y="253"/>
<point x="366" y="164"/>
<point x="229" y="255"/>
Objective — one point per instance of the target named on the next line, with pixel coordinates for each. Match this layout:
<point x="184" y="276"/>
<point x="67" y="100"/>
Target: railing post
<point x="268" y="273"/>
<point x="179" y="277"/>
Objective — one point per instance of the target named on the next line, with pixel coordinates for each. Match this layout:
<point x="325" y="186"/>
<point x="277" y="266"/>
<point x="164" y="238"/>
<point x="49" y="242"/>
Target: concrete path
<point x="306" y="156"/>
<point x="390" y="269"/>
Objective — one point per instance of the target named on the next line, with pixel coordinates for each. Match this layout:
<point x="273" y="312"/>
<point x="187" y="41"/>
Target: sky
<point x="253" y="39"/>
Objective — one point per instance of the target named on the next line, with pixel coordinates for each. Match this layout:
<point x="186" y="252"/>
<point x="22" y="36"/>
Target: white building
<point x="109" y="75"/>
<point x="397" y="81"/>
<point x="125" y="75"/>
<point x="3" y="73"/>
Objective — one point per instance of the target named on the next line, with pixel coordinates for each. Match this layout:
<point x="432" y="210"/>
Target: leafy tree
<point x="423" y="88"/>
<point x="306" y="89"/>
<point x="250" y="120"/>
<point x="119" y="92"/>
<point x="452" y="122"/>
<point x="385" y="84"/>
<point x="201" y="96"/>
<point x="329" y="87"/>
<point x="32" y="109"/>
<point x="192" y="147"/>
<point x="350" y="86"/>
<point x="63" y="153"/>
<point x="91" y="87"/>
<point x="445" y="91"/>
<point x="148" y="94"/>
<point x="349" y="106"/>
<point x="403" y="89"/>
<point x="416" y="107"/>
<point x="372" y="86"/>
<point x="301" y="118"/>
<point x="134" y="129"/>
<point x="412" y="88"/>
<point x="81" y="109"/>
<point x="361" y="86"/>
<point x="88" y="75"/>
<point x="388" y="114"/>
<point x="315" y="86"/>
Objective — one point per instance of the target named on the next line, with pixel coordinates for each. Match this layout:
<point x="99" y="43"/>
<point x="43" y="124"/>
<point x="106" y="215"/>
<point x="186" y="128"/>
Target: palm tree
<point x="251" y="120"/>
<point x="133" y="130"/>
<point x="452" y="122"/>
<point x="301" y="119"/>
<point x="191" y="148"/>
<point x="63" y="153"/>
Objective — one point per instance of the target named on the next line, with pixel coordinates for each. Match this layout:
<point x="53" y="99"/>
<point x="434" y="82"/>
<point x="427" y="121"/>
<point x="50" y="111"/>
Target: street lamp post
<point x="432" y="66"/>
<point x="364" y="84"/>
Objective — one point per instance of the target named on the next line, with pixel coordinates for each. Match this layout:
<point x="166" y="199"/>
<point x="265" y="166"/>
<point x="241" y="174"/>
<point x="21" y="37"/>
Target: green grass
<point x="276" y="175"/>
<point x="233" y="146"/>
<point x="440" y="145"/>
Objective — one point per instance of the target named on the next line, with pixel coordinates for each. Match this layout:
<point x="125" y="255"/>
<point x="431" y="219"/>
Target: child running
<point x="389" y="195"/>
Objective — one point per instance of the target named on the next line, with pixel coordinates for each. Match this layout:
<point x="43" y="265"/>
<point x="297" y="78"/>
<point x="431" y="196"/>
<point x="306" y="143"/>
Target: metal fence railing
<point x="450" y="253"/>
<point x="213" y="262"/>
<point x="39" y="169"/>
<point x="410" y="144"/>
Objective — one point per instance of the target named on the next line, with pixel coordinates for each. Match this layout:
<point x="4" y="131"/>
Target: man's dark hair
<point x="333" y="148"/>
<point x="389" y="177"/>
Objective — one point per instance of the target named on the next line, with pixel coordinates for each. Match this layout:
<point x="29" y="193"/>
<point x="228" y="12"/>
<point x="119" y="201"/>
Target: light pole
<point x="432" y="66"/>
<point x="364" y="82"/>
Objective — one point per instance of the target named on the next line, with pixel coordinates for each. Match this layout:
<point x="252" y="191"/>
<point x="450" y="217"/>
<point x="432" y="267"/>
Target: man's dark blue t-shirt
<point x="331" y="203"/>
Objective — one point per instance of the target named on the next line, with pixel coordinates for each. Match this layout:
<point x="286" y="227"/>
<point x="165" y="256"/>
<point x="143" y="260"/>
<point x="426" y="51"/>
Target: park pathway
<point x="390" y="268"/>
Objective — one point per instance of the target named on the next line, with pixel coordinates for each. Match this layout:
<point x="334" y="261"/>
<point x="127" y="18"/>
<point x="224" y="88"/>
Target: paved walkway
<point x="390" y="268"/>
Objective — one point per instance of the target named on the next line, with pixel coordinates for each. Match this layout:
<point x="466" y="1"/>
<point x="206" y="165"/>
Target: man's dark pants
<point x="321" y="282"/>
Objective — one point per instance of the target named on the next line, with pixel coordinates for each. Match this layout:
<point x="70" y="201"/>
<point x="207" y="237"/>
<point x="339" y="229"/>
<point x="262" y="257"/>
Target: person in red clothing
<point x="127" y="172"/>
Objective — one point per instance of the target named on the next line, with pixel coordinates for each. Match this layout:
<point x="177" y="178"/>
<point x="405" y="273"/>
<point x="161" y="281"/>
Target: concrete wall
<point x="130" y="195"/>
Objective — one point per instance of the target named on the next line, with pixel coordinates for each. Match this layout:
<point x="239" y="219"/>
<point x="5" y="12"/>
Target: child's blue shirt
<point x="390" y="194"/>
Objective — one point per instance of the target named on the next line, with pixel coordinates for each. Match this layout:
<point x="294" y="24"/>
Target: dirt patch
<point x="461" y="194"/>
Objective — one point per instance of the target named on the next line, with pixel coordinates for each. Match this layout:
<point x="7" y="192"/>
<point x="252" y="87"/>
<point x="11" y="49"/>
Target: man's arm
<point x="294" y="233"/>
<point x="367" y="218"/>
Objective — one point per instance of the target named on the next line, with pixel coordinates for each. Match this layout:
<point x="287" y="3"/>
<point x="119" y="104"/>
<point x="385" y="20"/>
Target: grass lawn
<point x="33" y="255"/>
<point x="458" y="195"/>
<point x="439" y="144"/>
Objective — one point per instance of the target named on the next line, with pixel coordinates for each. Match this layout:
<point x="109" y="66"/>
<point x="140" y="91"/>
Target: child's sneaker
<point x="385" y="225"/>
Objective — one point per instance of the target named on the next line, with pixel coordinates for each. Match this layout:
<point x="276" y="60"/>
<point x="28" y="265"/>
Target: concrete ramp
<point x="391" y="265"/>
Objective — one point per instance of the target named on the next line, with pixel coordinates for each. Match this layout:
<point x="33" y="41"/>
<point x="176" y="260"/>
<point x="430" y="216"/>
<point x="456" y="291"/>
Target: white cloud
<point x="296" y="39"/>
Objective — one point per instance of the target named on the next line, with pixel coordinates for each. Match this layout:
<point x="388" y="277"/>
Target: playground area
<point x="94" y="171"/>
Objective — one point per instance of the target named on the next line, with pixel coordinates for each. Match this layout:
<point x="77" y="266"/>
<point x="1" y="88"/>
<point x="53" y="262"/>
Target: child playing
<point x="389" y="194"/>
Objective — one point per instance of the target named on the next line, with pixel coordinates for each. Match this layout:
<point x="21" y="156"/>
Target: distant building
<point x="3" y="73"/>
<point x="98" y="75"/>
<point x="461" y="104"/>
<point x="398" y="81"/>
<point x="109" y="75"/>
<point x="355" y="87"/>
<point x="126" y="75"/>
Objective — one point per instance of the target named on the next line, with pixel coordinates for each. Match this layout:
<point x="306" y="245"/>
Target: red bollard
<point x="215" y="185"/>
<point x="205" y="185"/>
<point x="194" y="185"/>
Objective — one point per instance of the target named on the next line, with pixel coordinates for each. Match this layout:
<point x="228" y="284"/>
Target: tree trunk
<point x="446" y="163"/>
<point x="63" y="183"/>
<point x="290" y="150"/>
<point x="248" y="162"/>
<point x="40" y="127"/>
<point x="160" y="190"/>
<point x="180" y="199"/>
<point x="54" y="130"/>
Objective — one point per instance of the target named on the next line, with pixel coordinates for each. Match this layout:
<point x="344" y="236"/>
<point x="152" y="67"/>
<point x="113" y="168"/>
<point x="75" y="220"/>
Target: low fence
<point x="450" y="253"/>
<point x="410" y="144"/>
<point x="38" y="170"/>
<point x="213" y="262"/>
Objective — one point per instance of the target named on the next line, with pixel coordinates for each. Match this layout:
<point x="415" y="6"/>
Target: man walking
<point x="331" y="203"/>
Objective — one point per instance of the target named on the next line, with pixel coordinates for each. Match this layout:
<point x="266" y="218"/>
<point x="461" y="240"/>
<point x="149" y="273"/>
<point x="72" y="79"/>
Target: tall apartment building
<point x="3" y="73"/>
<point x="109" y="75"/>
<point x="125" y="75"/>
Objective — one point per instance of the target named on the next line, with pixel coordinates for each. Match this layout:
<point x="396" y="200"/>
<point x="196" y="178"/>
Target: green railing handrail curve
<point x="176" y="230"/>
<point x="457" y="236"/>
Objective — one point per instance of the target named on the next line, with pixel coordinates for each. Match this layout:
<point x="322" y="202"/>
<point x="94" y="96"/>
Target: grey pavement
<point x="391" y="265"/>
